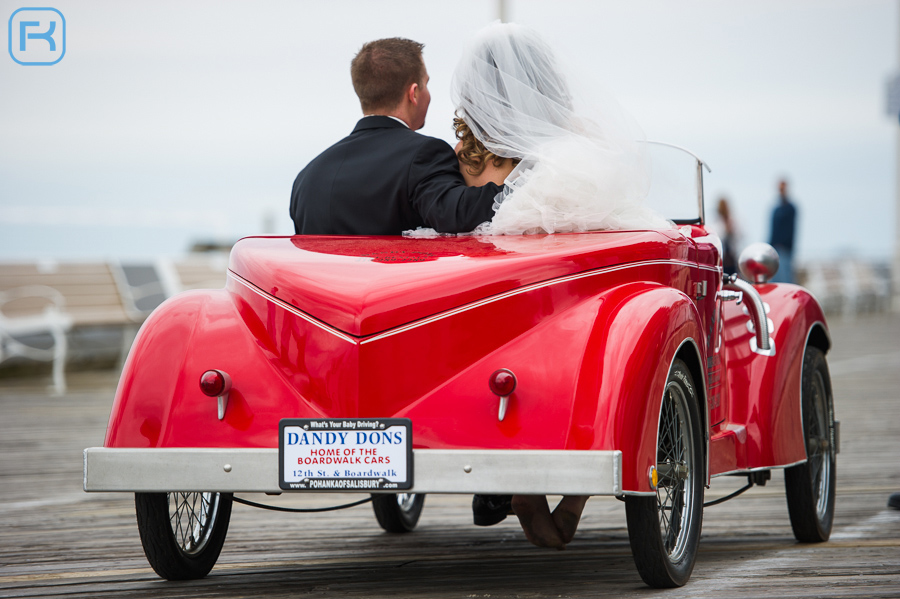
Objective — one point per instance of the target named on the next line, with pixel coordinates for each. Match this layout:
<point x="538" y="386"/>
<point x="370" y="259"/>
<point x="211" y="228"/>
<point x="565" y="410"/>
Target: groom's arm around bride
<point x="384" y="178"/>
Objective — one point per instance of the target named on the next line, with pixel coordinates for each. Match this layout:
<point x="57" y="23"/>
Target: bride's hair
<point x="473" y="154"/>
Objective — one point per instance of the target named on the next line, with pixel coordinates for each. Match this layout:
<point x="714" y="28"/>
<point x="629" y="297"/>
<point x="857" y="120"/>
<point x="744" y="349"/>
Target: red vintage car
<point x="617" y="363"/>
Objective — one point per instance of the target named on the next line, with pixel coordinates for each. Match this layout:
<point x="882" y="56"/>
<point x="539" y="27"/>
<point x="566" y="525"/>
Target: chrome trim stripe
<point x="466" y="471"/>
<point x="454" y="311"/>
<point x="709" y="268"/>
<point x="295" y="311"/>
<point x="525" y="289"/>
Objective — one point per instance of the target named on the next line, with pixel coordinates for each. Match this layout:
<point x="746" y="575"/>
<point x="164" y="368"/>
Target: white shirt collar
<point x="390" y="117"/>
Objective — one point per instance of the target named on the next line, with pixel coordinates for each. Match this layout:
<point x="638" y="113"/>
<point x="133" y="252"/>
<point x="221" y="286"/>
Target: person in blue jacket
<point x="784" y="226"/>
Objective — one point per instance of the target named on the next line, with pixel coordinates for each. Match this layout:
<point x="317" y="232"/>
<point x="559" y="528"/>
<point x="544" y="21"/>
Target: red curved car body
<point x="381" y="327"/>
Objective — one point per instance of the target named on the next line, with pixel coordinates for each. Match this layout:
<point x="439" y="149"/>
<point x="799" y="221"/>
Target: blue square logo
<point x="37" y="36"/>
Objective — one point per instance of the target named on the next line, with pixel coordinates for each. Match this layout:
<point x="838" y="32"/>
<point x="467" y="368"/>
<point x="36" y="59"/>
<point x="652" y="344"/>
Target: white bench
<point x="44" y="315"/>
<point x="52" y="298"/>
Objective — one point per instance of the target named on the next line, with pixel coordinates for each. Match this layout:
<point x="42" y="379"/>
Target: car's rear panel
<point x="286" y="362"/>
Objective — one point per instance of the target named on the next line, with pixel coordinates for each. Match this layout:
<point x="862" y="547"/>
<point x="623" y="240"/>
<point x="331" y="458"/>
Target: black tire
<point x="664" y="531"/>
<point x="398" y="512"/>
<point x="810" y="486"/>
<point x="182" y="533"/>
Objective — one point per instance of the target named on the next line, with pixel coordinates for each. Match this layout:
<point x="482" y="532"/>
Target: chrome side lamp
<point x="758" y="262"/>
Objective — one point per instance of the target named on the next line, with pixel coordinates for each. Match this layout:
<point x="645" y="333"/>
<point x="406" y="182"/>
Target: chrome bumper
<point x="555" y="472"/>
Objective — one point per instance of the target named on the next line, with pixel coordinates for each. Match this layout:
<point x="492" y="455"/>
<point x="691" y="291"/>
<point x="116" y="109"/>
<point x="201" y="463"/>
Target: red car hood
<point x="366" y="285"/>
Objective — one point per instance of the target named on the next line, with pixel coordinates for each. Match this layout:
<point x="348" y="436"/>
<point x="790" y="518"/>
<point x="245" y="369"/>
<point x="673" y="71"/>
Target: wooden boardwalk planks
<point x="56" y="540"/>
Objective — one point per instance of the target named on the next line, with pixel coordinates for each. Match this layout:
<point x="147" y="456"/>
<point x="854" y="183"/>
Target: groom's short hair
<point x="383" y="70"/>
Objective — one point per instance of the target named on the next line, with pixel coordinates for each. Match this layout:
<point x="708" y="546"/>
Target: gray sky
<point x="168" y="122"/>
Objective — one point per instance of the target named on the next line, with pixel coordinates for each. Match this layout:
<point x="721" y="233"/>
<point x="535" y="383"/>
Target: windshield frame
<point x="700" y="165"/>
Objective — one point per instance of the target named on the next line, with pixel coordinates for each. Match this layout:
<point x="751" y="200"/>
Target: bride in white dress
<point x="567" y="166"/>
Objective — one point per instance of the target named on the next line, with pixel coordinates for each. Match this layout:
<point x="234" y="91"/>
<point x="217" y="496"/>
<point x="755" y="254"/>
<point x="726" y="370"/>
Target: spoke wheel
<point x="810" y="487"/>
<point x="398" y="512"/>
<point x="664" y="531"/>
<point x="182" y="533"/>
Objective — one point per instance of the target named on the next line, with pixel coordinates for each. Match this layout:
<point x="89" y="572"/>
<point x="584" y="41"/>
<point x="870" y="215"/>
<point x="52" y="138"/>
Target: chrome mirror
<point x="758" y="262"/>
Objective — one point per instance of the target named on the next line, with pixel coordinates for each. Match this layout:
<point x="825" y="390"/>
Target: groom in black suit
<point x="384" y="178"/>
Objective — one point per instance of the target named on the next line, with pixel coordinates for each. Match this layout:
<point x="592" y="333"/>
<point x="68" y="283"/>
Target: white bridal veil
<point x="583" y="166"/>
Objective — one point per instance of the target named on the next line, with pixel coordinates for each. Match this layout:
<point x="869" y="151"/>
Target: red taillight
<point x="502" y="382"/>
<point x="214" y="383"/>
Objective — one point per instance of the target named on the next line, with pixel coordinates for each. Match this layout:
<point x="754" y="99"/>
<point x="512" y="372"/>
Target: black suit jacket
<point x="383" y="179"/>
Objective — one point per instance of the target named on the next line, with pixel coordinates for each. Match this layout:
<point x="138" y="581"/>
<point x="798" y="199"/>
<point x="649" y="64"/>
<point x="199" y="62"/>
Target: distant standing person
<point x="784" y="221"/>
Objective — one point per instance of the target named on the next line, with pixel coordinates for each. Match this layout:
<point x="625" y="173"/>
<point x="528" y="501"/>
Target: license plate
<point x="344" y="454"/>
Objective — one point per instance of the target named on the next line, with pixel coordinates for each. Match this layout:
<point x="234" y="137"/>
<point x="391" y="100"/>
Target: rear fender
<point x="640" y="329"/>
<point x="158" y="402"/>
